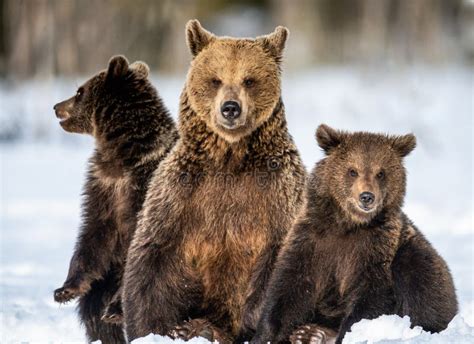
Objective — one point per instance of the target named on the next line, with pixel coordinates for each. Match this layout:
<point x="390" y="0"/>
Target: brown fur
<point x="133" y="132"/>
<point x="211" y="227"/>
<point x="344" y="261"/>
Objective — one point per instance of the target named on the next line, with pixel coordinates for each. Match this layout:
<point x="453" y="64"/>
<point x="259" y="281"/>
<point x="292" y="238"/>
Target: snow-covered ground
<point x="42" y="173"/>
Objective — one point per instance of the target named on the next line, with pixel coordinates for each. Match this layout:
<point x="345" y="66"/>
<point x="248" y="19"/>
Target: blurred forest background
<point x="43" y="38"/>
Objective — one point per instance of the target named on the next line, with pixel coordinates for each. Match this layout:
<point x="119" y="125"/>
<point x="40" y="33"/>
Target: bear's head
<point x="119" y="83"/>
<point x="234" y="84"/>
<point x="364" y="172"/>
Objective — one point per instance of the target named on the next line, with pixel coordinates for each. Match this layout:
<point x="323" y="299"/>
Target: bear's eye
<point x="249" y="82"/>
<point x="216" y="82"/>
<point x="353" y="173"/>
<point x="381" y="175"/>
<point x="79" y="93"/>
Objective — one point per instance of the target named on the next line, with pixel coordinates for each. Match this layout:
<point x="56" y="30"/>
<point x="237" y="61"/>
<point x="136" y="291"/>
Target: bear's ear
<point x="197" y="37"/>
<point x="118" y="67"/>
<point x="328" y="138"/>
<point x="141" y="69"/>
<point x="274" y="43"/>
<point x="403" y="145"/>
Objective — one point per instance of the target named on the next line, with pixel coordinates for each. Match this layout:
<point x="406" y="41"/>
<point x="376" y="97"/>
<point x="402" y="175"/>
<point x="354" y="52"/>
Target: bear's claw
<point x="112" y="318"/>
<point x="113" y="313"/>
<point x="199" y="328"/>
<point x="64" y="294"/>
<point x="312" y="334"/>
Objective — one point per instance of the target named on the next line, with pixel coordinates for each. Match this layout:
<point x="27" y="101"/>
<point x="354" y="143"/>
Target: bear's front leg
<point x="77" y="283"/>
<point x="258" y="283"/>
<point x="89" y="263"/>
<point x="424" y="287"/>
<point x="158" y="292"/>
<point x="95" y="247"/>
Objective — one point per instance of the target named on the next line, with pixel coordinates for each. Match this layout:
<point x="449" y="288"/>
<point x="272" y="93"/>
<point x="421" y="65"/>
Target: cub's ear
<point x="141" y="69"/>
<point x="118" y="67"/>
<point x="197" y="37"/>
<point x="403" y="145"/>
<point x="274" y="43"/>
<point x="328" y="138"/>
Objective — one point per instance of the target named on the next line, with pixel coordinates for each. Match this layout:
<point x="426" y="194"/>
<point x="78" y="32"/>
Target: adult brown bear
<point x="223" y="199"/>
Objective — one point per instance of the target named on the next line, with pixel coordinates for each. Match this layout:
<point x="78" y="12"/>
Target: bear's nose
<point x="367" y="198"/>
<point x="55" y="106"/>
<point x="230" y="109"/>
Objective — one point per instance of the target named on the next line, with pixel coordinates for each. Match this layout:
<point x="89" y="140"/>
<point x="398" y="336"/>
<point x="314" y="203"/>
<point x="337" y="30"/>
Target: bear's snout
<point x="230" y="110"/>
<point x="60" y="112"/>
<point x="367" y="199"/>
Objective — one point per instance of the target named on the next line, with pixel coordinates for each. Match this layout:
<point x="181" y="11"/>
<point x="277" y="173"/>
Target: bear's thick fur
<point x="353" y="253"/>
<point x="133" y="132"/>
<point x="221" y="201"/>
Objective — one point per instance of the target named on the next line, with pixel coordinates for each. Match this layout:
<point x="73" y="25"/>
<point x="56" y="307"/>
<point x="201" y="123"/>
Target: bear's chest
<point x="115" y="193"/>
<point x="361" y="258"/>
<point x="233" y="227"/>
<point x="234" y="220"/>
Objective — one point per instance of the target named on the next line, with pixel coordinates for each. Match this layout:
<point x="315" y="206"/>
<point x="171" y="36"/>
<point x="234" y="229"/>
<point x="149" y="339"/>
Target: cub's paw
<point x="199" y="328"/>
<point x="65" y="294"/>
<point x="112" y="318"/>
<point x="313" y="334"/>
<point x="113" y="314"/>
<point x="70" y="290"/>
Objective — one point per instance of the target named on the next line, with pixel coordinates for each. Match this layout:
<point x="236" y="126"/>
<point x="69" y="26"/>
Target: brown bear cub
<point x="133" y="132"/>
<point x="221" y="202"/>
<point x="352" y="253"/>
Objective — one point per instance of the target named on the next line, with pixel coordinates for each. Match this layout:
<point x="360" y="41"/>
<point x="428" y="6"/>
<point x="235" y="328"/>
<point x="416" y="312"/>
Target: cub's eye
<point x="381" y="175"/>
<point x="79" y="93"/>
<point x="249" y="82"/>
<point x="353" y="173"/>
<point x="216" y="82"/>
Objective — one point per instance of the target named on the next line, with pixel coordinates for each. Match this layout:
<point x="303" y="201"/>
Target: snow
<point x="42" y="171"/>
<point x="392" y="329"/>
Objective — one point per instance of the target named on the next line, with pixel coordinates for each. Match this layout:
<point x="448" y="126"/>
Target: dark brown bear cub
<point x="353" y="254"/>
<point x="133" y="132"/>
<point x="223" y="199"/>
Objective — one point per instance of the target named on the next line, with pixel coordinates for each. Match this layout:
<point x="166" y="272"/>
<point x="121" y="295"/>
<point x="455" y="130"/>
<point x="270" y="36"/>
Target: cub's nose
<point x="367" y="198"/>
<point x="230" y="109"/>
<point x="55" y="106"/>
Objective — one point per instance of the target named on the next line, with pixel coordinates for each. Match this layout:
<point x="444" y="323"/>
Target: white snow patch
<point x="467" y="312"/>
<point x="394" y="329"/>
<point x="384" y="327"/>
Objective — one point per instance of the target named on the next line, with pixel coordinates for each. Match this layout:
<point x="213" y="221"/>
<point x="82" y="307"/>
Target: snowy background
<point x="42" y="171"/>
